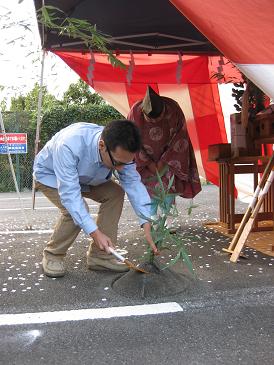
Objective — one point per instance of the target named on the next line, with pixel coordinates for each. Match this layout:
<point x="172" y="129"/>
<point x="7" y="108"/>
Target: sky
<point x="20" y="53"/>
<point x="20" y="57"/>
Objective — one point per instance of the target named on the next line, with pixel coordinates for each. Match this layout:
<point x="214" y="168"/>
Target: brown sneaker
<point x="53" y="267"/>
<point x="105" y="262"/>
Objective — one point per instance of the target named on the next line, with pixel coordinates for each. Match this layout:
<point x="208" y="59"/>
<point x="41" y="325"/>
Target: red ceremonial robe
<point x="166" y="139"/>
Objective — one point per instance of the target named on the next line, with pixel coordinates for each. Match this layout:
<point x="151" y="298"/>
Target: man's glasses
<point x="117" y="163"/>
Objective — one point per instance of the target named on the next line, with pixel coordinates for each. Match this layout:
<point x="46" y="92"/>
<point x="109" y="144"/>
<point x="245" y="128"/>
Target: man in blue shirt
<point x="78" y="162"/>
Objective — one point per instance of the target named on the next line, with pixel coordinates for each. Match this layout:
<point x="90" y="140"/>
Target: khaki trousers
<point x="111" y="197"/>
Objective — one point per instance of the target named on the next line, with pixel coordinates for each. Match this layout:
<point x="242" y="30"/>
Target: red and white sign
<point x="13" y="138"/>
<point x="13" y="142"/>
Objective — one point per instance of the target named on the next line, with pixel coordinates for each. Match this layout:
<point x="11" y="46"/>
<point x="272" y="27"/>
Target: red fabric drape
<point x="197" y="96"/>
<point x="241" y="30"/>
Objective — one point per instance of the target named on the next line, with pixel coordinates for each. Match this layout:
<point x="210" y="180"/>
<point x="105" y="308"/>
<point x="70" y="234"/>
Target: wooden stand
<point x="251" y="208"/>
<point x="228" y="168"/>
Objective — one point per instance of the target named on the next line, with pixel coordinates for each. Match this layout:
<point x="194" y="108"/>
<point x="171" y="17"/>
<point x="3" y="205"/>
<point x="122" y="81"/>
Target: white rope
<point x="179" y="69"/>
<point x="91" y="68"/>
<point x="28" y="226"/>
<point x="130" y="68"/>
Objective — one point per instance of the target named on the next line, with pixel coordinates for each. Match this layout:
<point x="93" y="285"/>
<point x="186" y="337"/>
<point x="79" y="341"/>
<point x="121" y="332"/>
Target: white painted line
<point x="18" y="209"/>
<point x="27" y="198"/>
<point x="38" y="231"/>
<point x="37" y="197"/>
<point x="39" y="208"/>
<point x="85" y="314"/>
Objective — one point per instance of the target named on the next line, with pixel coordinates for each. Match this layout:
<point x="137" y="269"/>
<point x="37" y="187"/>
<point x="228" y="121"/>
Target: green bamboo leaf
<point x="141" y="215"/>
<point x="159" y="236"/>
<point x="46" y="15"/>
<point x="189" y="209"/>
<point x="160" y="181"/>
<point x="175" y="211"/>
<point x="77" y="28"/>
<point x="186" y="260"/>
<point x="51" y="7"/>
<point x="170" y="182"/>
<point x="171" y="195"/>
<point x="173" y="261"/>
<point x="155" y="197"/>
<point x="155" y="177"/>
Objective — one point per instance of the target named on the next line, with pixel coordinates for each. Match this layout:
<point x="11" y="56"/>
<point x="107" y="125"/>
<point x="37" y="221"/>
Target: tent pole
<point x="38" y="121"/>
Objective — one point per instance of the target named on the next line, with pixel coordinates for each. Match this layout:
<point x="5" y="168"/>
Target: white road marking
<point x="18" y="209"/>
<point x="38" y="231"/>
<point x="39" y="208"/>
<point x="27" y="198"/>
<point x="87" y="314"/>
<point x="38" y="197"/>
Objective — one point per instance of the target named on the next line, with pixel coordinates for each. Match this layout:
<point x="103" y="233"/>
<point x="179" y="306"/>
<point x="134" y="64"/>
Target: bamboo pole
<point x="248" y="226"/>
<point x="38" y="122"/>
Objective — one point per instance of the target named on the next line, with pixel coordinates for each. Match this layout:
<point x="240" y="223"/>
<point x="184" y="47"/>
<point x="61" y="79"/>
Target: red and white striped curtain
<point x="188" y="82"/>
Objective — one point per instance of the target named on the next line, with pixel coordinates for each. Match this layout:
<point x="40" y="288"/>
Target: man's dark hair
<point x="123" y="133"/>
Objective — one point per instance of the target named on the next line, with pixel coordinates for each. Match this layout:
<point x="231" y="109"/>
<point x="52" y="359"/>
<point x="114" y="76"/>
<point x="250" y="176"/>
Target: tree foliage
<point x="29" y="102"/>
<point x="80" y="94"/>
<point x="79" y="104"/>
<point x="62" y="116"/>
<point x="3" y="100"/>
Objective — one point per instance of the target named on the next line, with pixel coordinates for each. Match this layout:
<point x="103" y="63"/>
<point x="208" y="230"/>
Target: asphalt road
<point x="225" y="314"/>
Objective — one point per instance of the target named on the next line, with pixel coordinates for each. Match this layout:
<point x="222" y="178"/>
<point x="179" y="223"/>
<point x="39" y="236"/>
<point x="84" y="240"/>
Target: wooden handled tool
<point x="127" y="262"/>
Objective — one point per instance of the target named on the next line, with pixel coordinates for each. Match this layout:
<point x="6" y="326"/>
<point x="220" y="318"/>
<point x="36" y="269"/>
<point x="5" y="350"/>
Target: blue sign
<point x="13" y="143"/>
<point x="13" y="148"/>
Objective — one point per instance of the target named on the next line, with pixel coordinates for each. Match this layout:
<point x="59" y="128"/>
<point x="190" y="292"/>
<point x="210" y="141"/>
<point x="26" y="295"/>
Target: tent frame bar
<point x="119" y="40"/>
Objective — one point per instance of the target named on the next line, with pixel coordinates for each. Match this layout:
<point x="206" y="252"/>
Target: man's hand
<point x="101" y="240"/>
<point x="147" y="230"/>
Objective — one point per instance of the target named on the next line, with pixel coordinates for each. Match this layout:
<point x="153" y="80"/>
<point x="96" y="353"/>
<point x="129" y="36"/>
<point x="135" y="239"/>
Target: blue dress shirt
<point x="71" y="162"/>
